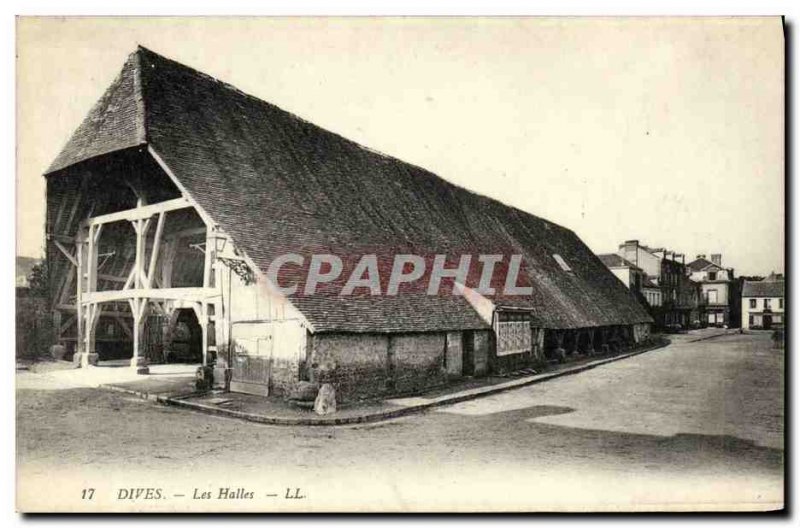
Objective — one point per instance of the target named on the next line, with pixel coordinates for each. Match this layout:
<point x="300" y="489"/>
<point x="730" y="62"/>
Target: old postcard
<point x="400" y="264"/>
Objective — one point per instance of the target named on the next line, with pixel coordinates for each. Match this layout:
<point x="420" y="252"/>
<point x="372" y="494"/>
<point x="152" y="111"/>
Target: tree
<point x="39" y="280"/>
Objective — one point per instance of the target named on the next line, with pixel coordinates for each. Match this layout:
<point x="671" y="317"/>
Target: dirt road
<point x="691" y="425"/>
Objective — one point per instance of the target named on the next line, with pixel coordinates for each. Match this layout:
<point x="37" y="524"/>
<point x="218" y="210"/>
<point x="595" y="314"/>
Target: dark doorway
<point x="184" y="343"/>
<point x="767" y="322"/>
<point x="467" y="342"/>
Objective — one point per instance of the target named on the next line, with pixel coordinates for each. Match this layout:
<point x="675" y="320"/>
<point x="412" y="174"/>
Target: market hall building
<point x="171" y="200"/>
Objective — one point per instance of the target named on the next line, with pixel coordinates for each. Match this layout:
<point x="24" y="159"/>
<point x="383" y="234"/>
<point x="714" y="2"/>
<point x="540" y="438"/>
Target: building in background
<point x="635" y="279"/>
<point x="763" y="303"/>
<point x="716" y="292"/>
<point x="691" y="297"/>
<point x="667" y="271"/>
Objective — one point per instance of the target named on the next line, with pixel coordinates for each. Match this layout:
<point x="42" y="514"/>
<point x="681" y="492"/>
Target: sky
<point x="665" y="130"/>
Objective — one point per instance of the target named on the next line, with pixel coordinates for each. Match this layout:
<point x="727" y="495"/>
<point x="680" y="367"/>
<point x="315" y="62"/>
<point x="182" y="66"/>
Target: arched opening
<point x="183" y="342"/>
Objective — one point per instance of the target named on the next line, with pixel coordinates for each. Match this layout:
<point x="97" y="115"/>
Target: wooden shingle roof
<point x="279" y="184"/>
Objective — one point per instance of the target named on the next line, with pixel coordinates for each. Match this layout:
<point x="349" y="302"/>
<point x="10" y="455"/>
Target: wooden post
<point x="79" y="295"/>
<point x="208" y="265"/>
<point x="170" y="249"/>
<point x="589" y="342"/>
<point x="138" y="308"/>
<point x="204" y="328"/>
<point x="201" y="311"/>
<point x="57" y="327"/>
<point x="576" y="336"/>
<point x="141" y="227"/>
<point x="92" y="317"/>
<point x="560" y="353"/>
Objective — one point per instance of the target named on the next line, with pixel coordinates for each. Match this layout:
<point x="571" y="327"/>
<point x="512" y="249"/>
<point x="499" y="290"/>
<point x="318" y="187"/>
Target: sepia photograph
<point x="400" y="264"/>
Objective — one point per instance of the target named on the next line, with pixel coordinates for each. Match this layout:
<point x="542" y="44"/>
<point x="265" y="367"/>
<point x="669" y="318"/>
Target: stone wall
<point x="362" y="366"/>
<point x="417" y="361"/>
<point x="356" y="364"/>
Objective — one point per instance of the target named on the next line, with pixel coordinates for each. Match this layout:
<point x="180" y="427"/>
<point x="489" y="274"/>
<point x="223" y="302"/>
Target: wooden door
<point x="252" y="358"/>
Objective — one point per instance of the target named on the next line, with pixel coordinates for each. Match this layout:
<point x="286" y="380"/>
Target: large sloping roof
<point x="764" y="288"/>
<point x="612" y="260"/>
<point x="279" y="184"/>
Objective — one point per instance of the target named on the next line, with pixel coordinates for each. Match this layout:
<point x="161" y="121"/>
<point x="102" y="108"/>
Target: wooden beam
<point x="178" y="294"/>
<point x="91" y="260"/>
<point x="71" y="309"/>
<point x="66" y="324"/>
<point x="63" y="289"/>
<point x="170" y="250"/>
<point x="112" y="278"/>
<point x="61" y="206"/>
<point x="129" y="280"/>
<point x="66" y="252"/>
<point x="139" y="213"/>
<point x="124" y="325"/>
<point x="151" y="268"/>
<point x="78" y="199"/>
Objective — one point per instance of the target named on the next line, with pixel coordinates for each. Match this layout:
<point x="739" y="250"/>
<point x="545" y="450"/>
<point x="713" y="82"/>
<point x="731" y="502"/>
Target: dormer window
<point x="561" y="262"/>
<point x="712" y="275"/>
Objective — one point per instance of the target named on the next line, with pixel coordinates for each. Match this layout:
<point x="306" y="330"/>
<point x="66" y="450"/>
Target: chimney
<point x="716" y="259"/>
<point x="700" y="257"/>
<point x="631" y="251"/>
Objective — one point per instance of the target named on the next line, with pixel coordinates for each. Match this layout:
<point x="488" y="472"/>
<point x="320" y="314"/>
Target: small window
<point x="752" y="303"/>
<point x="712" y="275"/>
<point x="712" y="296"/>
<point x="561" y="262"/>
<point x="780" y="303"/>
<point x="767" y="304"/>
<point x="752" y="320"/>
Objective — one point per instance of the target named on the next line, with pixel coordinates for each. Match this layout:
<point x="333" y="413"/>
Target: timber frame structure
<point x="128" y="285"/>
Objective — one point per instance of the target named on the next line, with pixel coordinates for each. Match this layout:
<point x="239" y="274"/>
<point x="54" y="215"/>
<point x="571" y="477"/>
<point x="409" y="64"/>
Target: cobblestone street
<point x="693" y="424"/>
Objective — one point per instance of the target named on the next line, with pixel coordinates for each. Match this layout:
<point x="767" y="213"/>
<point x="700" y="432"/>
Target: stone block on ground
<point x="204" y="378"/>
<point x="326" y="400"/>
<point x="58" y="352"/>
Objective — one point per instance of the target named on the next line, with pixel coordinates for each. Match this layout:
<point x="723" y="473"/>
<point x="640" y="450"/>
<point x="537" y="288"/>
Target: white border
<point x="360" y="8"/>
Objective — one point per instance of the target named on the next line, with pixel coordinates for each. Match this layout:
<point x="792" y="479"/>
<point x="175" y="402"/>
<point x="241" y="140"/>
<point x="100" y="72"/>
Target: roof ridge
<point x="138" y="90"/>
<point x="389" y="157"/>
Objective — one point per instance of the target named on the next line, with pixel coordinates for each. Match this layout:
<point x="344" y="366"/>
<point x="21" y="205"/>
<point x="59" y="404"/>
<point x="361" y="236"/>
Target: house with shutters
<point x="716" y="289"/>
<point x="184" y="217"/>
<point x="763" y="303"/>
<point x="665" y="269"/>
